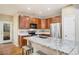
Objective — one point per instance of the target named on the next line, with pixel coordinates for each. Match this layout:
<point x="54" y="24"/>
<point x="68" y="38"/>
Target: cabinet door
<point x="22" y="41"/>
<point x="24" y="22"/>
<point x="33" y="20"/>
<point x="43" y="24"/>
<point x="68" y="27"/>
<point x="48" y="22"/>
<point x="56" y="19"/>
<point x="36" y="21"/>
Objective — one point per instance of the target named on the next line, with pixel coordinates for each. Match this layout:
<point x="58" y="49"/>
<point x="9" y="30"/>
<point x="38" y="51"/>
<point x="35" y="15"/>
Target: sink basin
<point x="42" y="36"/>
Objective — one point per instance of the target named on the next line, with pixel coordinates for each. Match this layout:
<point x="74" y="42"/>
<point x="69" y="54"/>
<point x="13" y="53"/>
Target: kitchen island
<point x="51" y="46"/>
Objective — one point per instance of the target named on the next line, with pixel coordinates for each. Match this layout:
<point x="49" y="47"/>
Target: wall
<point x="77" y="25"/>
<point x="15" y="29"/>
<point x="69" y="10"/>
<point x="6" y="18"/>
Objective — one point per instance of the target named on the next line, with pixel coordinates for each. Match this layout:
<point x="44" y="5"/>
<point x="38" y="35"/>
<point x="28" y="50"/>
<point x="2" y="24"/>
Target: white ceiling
<point x="32" y="9"/>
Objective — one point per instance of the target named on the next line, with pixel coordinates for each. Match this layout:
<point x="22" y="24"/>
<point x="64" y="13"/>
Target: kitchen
<point x="41" y="31"/>
<point x="49" y="40"/>
<point x="44" y="33"/>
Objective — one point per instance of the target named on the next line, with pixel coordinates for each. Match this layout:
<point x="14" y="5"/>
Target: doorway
<point x="5" y="31"/>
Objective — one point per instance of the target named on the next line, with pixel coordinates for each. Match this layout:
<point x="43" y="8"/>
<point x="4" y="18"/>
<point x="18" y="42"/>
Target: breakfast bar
<point x="51" y="46"/>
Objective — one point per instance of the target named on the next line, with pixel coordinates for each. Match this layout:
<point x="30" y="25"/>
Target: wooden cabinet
<point x="36" y="21"/>
<point x="56" y="19"/>
<point x="43" y="24"/>
<point x="33" y="20"/>
<point x="24" y="22"/>
<point x="48" y="22"/>
<point x="22" y="41"/>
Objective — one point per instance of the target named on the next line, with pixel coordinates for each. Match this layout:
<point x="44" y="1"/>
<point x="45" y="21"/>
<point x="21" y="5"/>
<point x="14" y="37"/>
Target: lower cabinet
<point x="22" y="41"/>
<point x="45" y="50"/>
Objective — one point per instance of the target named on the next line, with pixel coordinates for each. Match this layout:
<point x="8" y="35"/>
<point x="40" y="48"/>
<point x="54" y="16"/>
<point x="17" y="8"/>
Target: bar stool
<point x="27" y="50"/>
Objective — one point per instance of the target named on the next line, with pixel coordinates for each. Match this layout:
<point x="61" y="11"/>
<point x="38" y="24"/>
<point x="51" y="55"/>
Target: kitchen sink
<point x="43" y="36"/>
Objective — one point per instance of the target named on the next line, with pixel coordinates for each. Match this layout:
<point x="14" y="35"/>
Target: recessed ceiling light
<point x="48" y="9"/>
<point x="29" y="8"/>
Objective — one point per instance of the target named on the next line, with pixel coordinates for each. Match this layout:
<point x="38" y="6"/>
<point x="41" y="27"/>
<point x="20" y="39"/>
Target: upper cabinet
<point x="36" y="21"/>
<point x="48" y="22"/>
<point x="56" y="19"/>
<point x="43" y="24"/>
<point x="24" y="22"/>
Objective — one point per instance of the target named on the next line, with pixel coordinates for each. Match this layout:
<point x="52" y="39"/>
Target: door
<point x="5" y="32"/>
<point x="68" y="27"/>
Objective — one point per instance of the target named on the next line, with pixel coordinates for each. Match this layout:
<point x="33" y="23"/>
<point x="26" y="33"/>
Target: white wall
<point x="6" y="18"/>
<point x="70" y="10"/>
<point x="15" y="29"/>
<point x="77" y="25"/>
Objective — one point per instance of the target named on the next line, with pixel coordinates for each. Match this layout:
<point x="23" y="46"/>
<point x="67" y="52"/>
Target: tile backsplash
<point x="23" y="32"/>
<point x="38" y="31"/>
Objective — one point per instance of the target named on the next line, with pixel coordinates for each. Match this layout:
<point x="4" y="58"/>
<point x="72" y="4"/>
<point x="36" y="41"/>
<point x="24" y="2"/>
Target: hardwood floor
<point x="10" y="49"/>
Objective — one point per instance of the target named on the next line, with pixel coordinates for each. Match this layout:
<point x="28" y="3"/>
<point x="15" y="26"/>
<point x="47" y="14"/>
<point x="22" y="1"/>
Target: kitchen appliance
<point x="33" y="26"/>
<point x="55" y="30"/>
<point x="32" y="32"/>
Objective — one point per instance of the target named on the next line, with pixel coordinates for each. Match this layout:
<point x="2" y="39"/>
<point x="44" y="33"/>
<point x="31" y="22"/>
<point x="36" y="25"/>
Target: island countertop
<point x="53" y="43"/>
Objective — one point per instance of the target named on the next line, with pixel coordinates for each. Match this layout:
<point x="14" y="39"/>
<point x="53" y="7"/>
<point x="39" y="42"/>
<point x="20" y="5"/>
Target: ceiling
<point x="32" y="9"/>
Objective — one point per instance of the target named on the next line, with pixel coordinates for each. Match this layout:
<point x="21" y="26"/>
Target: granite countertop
<point x="54" y="43"/>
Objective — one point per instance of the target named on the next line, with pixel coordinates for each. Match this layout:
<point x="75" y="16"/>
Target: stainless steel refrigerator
<point x="55" y="30"/>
